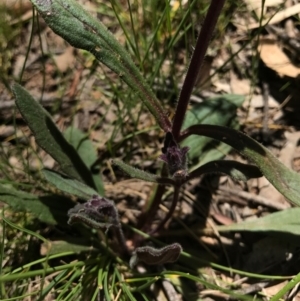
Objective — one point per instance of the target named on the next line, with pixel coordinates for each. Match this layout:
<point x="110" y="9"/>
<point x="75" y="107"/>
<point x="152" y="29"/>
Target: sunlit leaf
<point x="286" y="221"/>
<point x="69" y="20"/>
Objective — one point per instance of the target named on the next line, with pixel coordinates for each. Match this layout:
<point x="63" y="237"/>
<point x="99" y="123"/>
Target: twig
<point x="254" y="198"/>
<point x="265" y="129"/>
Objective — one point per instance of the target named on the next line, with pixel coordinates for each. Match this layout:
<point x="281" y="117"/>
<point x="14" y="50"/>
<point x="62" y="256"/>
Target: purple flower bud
<point x="97" y="212"/>
<point x="175" y="157"/>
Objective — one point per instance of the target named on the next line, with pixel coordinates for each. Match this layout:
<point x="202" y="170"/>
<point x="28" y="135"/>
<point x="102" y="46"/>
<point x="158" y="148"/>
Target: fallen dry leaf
<point x="256" y="5"/>
<point x="16" y="6"/>
<point x="288" y="152"/>
<point x="273" y="290"/>
<point x="272" y="19"/>
<point x="276" y="59"/>
<point x="65" y="60"/>
<point x="239" y="86"/>
<point x="257" y="102"/>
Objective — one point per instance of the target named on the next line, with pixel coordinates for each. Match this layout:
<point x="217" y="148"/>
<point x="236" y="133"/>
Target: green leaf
<point x="69" y="20"/>
<point x="142" y="175"/>
<point x="73" y="244"/>
<point x="50" y="209"/>
<point x="236" y="170"/>
<point x="49" y="137"/>
<point x="87" y="153"/>
<point x="68" y="185"/>
<point x="218" y="110"/>
<point x="283" y="179"/>
<point x="286" y="221"/>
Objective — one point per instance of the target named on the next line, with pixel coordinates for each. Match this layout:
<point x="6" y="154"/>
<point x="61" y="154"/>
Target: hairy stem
<point x="118" y="232"/>
<point x="147" y="216"/>
<point x="189" y="82"/>
<point x="196" y="63"/>
<point x="149" y="212"/>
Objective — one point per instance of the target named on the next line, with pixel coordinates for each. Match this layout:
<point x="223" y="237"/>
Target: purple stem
<point x="121" y="239"/>
<point x="147" y="217"/>
<point x="187" y="88"/>
<point x="171" y="210"/>
<point x="196" y="62"/>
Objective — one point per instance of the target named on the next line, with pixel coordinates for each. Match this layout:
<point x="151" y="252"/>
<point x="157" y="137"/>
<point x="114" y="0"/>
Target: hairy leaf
<point x="50" y="209"/>
<point x="152" y="256"/>
<point x="175" y="157"/>
<point x="98" y="212"/>
<point x="286" y="221"/>
<point x="236" y="170"/>
<point x="68" y="185"/>
<point x="284" y="180"/>
<point x="49" y="137"/>
<point x="142" y="175"/>
<point x="69" y="20"/>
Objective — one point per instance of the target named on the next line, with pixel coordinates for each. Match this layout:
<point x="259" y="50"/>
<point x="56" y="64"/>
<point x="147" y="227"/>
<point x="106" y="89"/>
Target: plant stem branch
<point x="171" y="210"/>
<point x="146" y="217"/>
<point x="196" y="62"/>
<point x="121" y="239"/>
<point x="189" y="82"/>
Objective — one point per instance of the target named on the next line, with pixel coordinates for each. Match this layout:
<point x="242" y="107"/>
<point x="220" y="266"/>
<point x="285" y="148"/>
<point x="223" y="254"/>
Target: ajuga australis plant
<point x="69" y="20"/>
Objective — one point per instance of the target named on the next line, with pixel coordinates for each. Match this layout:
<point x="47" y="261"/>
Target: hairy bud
<point x="175" y="157"/>
<point x="98" y="212"/>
